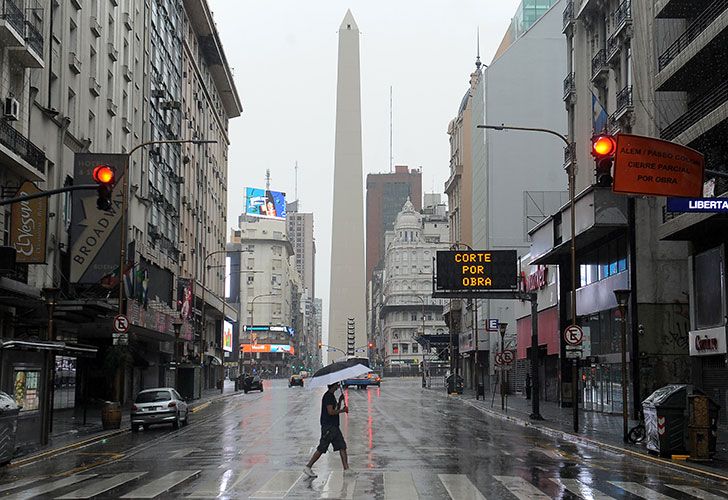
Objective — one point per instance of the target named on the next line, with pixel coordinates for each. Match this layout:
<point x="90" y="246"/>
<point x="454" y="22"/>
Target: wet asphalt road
<point x="404" y="442"/>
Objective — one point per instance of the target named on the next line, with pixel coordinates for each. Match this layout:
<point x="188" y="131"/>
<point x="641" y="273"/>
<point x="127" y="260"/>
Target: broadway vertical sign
<point x="95" y="234"/>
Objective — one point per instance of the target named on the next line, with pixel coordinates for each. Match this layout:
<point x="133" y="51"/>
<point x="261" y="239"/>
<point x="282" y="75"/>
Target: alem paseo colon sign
<point x="477" y="270"/>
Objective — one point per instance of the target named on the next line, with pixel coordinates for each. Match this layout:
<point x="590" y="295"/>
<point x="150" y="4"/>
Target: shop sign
<point x="536" y="280"/>
<point x="707" y="342"/>
<point x="705" y="205"/>
<point x="28" y="228"/>
<point x="649" y="166"/>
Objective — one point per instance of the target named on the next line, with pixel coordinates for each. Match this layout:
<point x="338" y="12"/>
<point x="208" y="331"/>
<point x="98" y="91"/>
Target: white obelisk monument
<point x="347" y="303"/>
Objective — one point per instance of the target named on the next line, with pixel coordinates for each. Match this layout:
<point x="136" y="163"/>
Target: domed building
<point x="410" y="318"/>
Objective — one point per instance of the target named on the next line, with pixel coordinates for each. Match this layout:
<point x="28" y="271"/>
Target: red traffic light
<point x="104" y="174"/>
<point x="603" y="146"/>
<point x="371" y="345"/>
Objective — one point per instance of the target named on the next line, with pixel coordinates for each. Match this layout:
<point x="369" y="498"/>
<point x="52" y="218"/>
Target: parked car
<point x="252" y="383"/>
<point x="162" y="405"/>
<point x="8" y="427"/>
<point x="295" y="380"/>
<point x="375" y="378"/>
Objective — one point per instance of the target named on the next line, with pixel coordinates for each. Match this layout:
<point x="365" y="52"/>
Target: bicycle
<point x="638" y="433"/>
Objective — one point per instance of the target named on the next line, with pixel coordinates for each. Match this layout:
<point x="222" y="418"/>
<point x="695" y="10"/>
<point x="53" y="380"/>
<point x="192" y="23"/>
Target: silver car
<point x="163" y="405"/>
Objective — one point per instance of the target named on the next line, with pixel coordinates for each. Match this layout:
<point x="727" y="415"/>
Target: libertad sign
<point x="477" y="270"/>
<point x="644" y="165"/>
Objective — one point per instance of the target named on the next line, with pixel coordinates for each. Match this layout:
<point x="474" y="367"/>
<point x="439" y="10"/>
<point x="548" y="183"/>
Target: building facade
<point x="386" y="193"/>
<point x="695" y="37"/>
<point x="105" y="77"/>
<point x="411" y="324"/>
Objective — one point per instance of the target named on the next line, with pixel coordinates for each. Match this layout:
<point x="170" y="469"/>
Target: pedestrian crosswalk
<point x="263" y="482"/>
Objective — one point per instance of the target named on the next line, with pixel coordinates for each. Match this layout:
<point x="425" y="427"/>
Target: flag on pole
<point x="599" y="116"/>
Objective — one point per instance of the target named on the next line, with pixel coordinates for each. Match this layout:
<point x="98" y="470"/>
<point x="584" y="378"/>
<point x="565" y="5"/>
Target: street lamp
<point x="50" y="295"/>
<point x="502" y="328"/>
<point x="454" y="367"/>
<point x="622" y="297"/>
<point x="177" y="325"/>
<point x="571" y="171"/>
<point x="252" y="322"/>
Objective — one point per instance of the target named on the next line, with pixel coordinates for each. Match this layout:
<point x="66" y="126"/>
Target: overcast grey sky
<point x="283" y="54"/>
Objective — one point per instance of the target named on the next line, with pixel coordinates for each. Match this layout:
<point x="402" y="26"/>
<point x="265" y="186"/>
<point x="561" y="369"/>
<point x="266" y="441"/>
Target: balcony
<point x="568" y="17"/>
<point x="622" y="17"/>
<point x="127" y="21"/>
<point x="569" y="87"/>
<point x="95" y="26"/>
<point x="19" y="147"/>
<point x="127" y="73"/>
<point x="699" y="24"/>
<point x="699" y="109"/>
<point x="614" y="46"/>
<point x="94" y="86"/>
<point x="113" y="52"/>
<point x="74" y="63"/>
<point x="12" y="21"/>
<point x="600" y="69"/>
<point x="624" y="102"/>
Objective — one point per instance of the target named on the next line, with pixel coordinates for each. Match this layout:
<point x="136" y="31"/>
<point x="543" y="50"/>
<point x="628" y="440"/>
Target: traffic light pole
<point x="44" y="194"/>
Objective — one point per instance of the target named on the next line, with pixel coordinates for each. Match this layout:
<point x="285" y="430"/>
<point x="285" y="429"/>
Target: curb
<point x="568" y="436"/>
<point x="54" y="452"/>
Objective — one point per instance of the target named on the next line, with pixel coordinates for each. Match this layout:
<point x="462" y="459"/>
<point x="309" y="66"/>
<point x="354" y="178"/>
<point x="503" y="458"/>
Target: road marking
<point x="17" y="484"/>
<point x="103" y="485"/>
<point x="459" y="487"/>
<point x="162" y="485"/>
<point x="696" y="492"/>
<point x="580" y="489"/>
<point x="339" y="486"/>
<point x="222" y="483"/>
<point x="399" y="486"/>
<point x="184" y="452"/>
<point x="279" y="485"/>
<point x="48" y="487"/>
<point x="640" y="491"/>
<point x="520" y="488"/>
<point x="200" y="407"/>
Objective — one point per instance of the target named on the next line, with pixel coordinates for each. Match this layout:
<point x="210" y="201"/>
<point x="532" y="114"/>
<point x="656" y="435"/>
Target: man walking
<point x="330" y="431"/>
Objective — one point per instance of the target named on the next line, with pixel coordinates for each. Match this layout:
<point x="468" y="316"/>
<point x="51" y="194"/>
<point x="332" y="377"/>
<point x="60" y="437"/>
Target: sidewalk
<point x="69" y="428"/>
<point x="599" y="429"/>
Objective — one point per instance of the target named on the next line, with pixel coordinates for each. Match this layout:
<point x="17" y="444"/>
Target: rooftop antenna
<point x="267" y="179"/>
<point x="295" y="186"/>
<point x="477" y="58"/>
<point x="391" y="156"/>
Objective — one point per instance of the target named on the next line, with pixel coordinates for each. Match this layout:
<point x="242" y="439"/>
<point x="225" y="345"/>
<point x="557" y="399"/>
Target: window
<point x="415" y="348"/>
<point x="405" y="348"/>
<point x="413" y="316"/>
<point x="251" y="279"/>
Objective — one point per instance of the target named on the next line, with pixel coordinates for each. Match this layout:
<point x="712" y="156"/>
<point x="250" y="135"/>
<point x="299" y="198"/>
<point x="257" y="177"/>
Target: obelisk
<point x="347" y="303"/>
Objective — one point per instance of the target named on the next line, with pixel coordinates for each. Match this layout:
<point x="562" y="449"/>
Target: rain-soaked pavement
<point x="404" y="442"/>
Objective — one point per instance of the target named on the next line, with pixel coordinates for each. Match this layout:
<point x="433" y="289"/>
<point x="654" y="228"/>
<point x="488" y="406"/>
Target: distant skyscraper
<point x="386" y="194"/>
<point x="300" y="234"/>
<point x="347" y="318"/>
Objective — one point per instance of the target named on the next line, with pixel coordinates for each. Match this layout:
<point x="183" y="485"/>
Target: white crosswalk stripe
<point x="52" y="486"/>
<point x="279" y="485"/>
<point x="17" y="484"/>
<point x="696" y="492"/>
<point x="640" y="491"/>
<point x="339" y="486"/>
<point x="520" y="488"/>
<point x="580" y="489"/>
<point x="102" y="486"/>
<point x="459" y="487"/>
<point x="219" y="485"/>
<point x="399" y="486"/>
<point x="162" y="485"/>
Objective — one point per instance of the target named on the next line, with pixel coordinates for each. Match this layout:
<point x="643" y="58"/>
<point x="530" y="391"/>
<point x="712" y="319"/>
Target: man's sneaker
<point x="309" y="472"/>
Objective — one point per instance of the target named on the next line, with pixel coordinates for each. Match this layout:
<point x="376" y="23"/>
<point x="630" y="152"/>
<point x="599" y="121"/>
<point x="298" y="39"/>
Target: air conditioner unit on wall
<point x="11" y="110"/>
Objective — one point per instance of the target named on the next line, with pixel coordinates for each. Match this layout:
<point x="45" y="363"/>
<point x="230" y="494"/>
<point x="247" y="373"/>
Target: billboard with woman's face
<point x="265" y="203"/>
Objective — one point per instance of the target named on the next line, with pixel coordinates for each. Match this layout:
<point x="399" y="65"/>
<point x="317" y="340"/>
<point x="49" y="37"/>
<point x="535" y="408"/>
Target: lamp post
<point x="50" y="295"/>
<point x="622" y="297"/>
<point x="330" y="348"/>
<point x="571" y="171"/>
<point x="454" y="365"/>
<point x="177" y="325"/>
<point x="502" y="329"/>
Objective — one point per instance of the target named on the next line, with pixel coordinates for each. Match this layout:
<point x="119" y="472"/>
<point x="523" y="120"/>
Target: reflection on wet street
<point x="404" y="442"/>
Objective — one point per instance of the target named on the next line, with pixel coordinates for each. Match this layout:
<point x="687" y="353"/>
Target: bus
<point x="363" y="380"/>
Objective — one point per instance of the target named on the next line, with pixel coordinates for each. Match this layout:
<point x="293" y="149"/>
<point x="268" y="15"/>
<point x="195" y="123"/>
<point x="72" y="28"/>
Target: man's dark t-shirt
<point x="326" y="419"/>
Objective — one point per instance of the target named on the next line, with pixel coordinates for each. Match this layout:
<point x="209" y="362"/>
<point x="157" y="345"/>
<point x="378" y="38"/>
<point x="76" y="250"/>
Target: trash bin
<point x="8" y="427"/>
<point x="703" y="426"/>
<point x="455" y="384"/>
<point x="111" y="415"/>
<point x="666" y="419"/>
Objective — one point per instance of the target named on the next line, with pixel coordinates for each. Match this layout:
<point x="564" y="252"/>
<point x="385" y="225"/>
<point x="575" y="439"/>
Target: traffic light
<point x="603" y="148"/>
<point x="105" y="177"/>
<point x="371" y="345"/>
<point x="320" y="345"/>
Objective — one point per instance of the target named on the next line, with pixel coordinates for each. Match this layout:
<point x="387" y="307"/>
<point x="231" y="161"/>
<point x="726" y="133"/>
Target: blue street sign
<point x="707" y="205"/>
<point x="492" y="325"/>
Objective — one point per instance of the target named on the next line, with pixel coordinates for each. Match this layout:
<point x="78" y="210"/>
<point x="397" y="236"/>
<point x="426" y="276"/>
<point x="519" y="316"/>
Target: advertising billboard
<point x="268" y="348"/>
<point x="227" y="336"/>
<point x="28" y="226"/>
<point x="265" y="203"/>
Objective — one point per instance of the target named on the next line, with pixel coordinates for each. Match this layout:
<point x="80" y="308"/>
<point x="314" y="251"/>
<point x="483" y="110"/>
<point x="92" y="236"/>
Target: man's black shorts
<point x="333" y="436"/>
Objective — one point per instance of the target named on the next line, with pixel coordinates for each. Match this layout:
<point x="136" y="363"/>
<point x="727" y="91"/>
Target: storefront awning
<point x="64" y="348"/>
